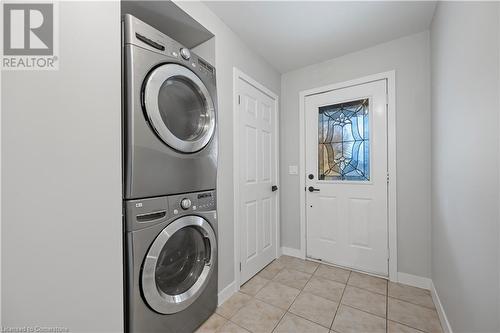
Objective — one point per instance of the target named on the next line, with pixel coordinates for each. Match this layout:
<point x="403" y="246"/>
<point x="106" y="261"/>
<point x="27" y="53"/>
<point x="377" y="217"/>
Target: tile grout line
<point x="300" y="290"/>
<point x="375" y="292"/>
<point x="396" y="321"/>
<point x="413" y="303"/>
<point x="407" y="301"/>
<point x="252" y="298"/>
<point x="405" y="324"/>
<point x="351" y="285"/>
<point x="340" y="301"/>
<point x="256" y="299"/>
<point x="232" y="322"/>
<point x="309" y="320"/>
<point x="360" y="310"/>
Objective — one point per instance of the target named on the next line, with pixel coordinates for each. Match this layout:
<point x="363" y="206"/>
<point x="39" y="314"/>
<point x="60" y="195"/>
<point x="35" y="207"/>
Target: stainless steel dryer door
<point x="179" y="108"/>
<point x="179" y="264"/>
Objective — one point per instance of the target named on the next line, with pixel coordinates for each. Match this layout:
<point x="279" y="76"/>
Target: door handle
<point x="274" y="188"/>
<point x="312" y="189"/>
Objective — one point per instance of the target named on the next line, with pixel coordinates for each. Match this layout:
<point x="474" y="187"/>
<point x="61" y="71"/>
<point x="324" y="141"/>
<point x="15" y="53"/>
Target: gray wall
<point x="409" y="56"/>
<point x="465" y="153"/>
<point x="61" y="193"/>
<point x="230" y="52"/>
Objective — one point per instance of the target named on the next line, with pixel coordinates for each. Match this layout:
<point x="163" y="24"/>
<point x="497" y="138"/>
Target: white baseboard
<point x="288" y="251"/>
<point x="226" y="293"/>
<point x="440" y="310"/>
<point x="414" y="280"/>
<point x="426" y="283"/>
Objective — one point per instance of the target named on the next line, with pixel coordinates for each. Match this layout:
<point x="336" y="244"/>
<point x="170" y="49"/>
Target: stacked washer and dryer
<point x="170" y="166"/>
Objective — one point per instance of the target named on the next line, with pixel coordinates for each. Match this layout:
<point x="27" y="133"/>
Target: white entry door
<point x="258" y="211"/>
<point x="346" y="177"/>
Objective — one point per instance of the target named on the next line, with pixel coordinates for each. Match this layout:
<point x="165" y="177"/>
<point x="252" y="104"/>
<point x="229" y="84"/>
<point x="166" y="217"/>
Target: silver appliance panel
<point x="159" y="232"/>
<point x="165" y="159"/>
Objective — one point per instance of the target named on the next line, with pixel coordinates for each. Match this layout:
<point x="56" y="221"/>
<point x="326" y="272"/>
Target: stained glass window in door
<point x="344" y="141"/>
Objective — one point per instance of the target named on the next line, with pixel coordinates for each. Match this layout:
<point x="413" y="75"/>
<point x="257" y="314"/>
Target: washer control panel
<point x="191" y="202"/>
<point x="206" y="200"/>
<point x="141" y="213"/>
<point x="185" y="203"/>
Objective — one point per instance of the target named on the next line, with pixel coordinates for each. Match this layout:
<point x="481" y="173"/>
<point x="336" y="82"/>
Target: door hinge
<point x="239" y="99"/>
<point x="387" y="99"/>
<point x="240" y="266"/>
<point x="388" y="178"/>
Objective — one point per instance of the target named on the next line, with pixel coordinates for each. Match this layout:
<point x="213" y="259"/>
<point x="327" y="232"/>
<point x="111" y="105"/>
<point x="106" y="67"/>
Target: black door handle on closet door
<point x="312" y="189"/>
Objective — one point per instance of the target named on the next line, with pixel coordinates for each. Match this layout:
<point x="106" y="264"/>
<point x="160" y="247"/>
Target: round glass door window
<point x="179" y="108"/>
<point x="181" y="261"/>
<point x="179" y="264"/>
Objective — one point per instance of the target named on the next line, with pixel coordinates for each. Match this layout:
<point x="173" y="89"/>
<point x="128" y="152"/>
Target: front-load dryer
<point x="171" y="262"/>
<point x="170" y="112"/>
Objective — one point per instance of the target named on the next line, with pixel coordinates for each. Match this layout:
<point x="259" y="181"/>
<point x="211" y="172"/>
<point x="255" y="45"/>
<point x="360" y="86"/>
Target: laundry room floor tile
<point x="230" y="327"/>
<point x="252" y="286"/>
<point x="258" y="317"/>
<point x="314" y="308"/>
<point x="393" y="327"/>
<point x="294" y="295"/>
<point x="292" y="278"/>
<point x="233" y="304"/>
<point x="278" y="294"/>
<point x="368" y="282"/>
<point x="412" y="315"/>
<point x="212" y="325"/>
<point x="299" y="264"/>
<point x="294" y="324"/>
<point x="333" y="273"/>
<point x="350" y="320"/>
<point x="411" y="294"/>
<point x="365" y="300"/>
<point x="271" y="270"/>
<point x="325" y="288"/>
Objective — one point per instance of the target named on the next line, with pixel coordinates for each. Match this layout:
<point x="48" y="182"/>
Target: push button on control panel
<point x="206" y="201"/>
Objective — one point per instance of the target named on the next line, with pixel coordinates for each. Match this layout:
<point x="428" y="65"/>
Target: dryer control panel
<point x="145" y="36"/>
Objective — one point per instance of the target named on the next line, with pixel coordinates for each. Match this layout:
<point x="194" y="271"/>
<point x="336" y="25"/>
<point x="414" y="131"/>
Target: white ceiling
<point x="291" y="34"/>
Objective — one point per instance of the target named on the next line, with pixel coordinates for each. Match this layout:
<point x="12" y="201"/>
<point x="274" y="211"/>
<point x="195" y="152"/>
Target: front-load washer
<point x="169" y="117"/>
<point x="171" y="262"/>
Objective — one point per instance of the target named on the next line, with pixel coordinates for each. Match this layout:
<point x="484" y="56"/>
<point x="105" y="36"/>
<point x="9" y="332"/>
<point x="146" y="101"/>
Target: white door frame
<point x="390" y="76"/>
<point x="237" y="75"/>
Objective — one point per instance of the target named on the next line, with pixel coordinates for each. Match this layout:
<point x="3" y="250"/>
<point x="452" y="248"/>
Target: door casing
<point x="390" y="76"/>
<point x="239" y="75"/>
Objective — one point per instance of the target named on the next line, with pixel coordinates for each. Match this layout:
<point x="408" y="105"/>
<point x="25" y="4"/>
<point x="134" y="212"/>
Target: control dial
<point x="185" y="53"/>
<point x="185" y="203"/>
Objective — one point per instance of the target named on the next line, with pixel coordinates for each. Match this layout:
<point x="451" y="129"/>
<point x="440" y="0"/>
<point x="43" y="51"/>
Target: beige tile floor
<point x="293" y="295"/>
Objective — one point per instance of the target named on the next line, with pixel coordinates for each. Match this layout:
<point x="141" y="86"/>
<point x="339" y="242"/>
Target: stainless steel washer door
<point x="179" y="264"/>
<point x="179" y="108"/>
